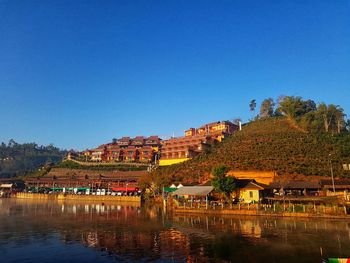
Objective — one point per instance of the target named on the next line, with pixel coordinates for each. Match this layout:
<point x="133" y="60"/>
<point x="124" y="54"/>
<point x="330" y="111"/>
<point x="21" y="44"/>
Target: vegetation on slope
<point x="294" y="136"/>
<point x="270" y="144"/>
<point x="120" y="167"/>
<point x="312" y="117"/>
<point x="20" y="159"/>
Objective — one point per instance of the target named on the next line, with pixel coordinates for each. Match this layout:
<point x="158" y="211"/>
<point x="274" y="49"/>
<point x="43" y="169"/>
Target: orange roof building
<point x="176" y="150"/>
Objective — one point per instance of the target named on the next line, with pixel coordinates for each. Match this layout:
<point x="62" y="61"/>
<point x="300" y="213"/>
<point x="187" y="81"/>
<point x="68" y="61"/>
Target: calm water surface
<point x="41" y="231"/>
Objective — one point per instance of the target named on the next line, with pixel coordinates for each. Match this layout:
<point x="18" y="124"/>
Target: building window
<point x="250" y="194"/>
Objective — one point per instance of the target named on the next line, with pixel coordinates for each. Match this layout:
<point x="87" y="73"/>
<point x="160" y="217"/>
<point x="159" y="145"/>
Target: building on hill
<point x="138" y="141"/>
<point x="154" y="142"/>
<point x="115" y="153"/>
<point x="217" y="130"/>
<point x="174" y="150"/>
<point x="125" y="149"/>
<point x="146" y="154"/>
<point x="132" y="154"/>
<point x="99" y="154"/>
<point x="180" y="149"/>
<point x="85" y="154"/>
<point x="72" y="155"/>
<point x="124" y="141"/>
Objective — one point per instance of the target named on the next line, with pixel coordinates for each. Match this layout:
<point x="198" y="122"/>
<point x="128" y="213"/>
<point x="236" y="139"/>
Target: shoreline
<point x="226" y="212"/>
<point x="189" y="211"/>
<point x="72" y="197"/>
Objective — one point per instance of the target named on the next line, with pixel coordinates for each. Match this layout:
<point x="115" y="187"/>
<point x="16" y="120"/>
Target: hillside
<point x="71" y="164"/>
<point x="20" y="159"/>
<point x="272" y="144"/>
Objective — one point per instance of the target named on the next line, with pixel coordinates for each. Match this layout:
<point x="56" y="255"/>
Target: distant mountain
<point x="270" y="144"/>
<point x="20" y="159"/>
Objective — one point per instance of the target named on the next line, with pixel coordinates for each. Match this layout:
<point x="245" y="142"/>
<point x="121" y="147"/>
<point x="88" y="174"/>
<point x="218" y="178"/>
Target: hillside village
<point x="155" y="150"/>
<point x="272" y="155"/>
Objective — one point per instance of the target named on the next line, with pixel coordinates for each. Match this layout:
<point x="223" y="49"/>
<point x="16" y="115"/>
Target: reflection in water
<point x="103" y="232"/>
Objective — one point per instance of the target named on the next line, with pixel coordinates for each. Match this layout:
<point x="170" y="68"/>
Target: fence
<point x="261" y="209"/>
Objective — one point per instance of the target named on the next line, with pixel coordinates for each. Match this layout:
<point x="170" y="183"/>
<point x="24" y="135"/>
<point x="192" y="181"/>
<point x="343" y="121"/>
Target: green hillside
<point x="272" y="144"/>
<point x="23" y="159"/>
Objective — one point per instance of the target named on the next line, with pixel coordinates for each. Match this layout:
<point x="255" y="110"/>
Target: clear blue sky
<point x="78" y="73"/>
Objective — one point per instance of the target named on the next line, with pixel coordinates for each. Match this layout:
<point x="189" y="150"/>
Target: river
<point x="50" y="231"/>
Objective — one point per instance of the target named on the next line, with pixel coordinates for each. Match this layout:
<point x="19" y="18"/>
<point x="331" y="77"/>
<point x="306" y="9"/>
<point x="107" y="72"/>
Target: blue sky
<point x="79" y="73"/>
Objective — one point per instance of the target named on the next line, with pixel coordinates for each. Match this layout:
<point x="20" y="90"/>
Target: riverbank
<point x="103" y="198"/>
<point x="245" y="212"/>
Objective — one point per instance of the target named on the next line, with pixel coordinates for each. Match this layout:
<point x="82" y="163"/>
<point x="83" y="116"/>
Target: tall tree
<point x="323" y="110"/>
<point x="252" y="106"/>
<point x="267" y="108"/>
<point x="340" y="119"/>
<point x="332" y="115"/>
<point x="12" y="143"/>
<point x="309" y="106"/>
<point x="295" y="107"/>
<point x="311" y="121"/>
<point x="347" y="125"/>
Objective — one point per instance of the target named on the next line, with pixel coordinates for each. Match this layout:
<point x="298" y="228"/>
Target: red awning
<point x="124" y="189"/>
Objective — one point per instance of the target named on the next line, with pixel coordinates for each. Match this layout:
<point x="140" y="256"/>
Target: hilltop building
<point x="180" y="149"/>
<point x="126" y="149"/>
<point x="176" y="150"/>
<point x="216" y="130"/>
<point x="148" y="149"/>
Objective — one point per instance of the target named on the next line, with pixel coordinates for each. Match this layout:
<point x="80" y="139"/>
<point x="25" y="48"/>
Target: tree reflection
<point x="129" y="232"/>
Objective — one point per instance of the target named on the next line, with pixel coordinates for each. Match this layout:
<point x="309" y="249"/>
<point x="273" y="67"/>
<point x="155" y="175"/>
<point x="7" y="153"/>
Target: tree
<point x="311" y="121"/>
<point x="252" y="106"/>
<point x="340" y="119"/>
<point x="309" y="106"/>
<point x="347" y="125"/>
<point x="223" y="183"/>
<point x="23" y="158"/>
<point x="326" y="116"/>
<point x="332" y="116"/>
<point x="267" y="108"/>
<point x="12" y="143"/>
<point x="295" y="107"/>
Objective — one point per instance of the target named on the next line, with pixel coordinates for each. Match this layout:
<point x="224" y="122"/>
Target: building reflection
<point x="130" y="232"/>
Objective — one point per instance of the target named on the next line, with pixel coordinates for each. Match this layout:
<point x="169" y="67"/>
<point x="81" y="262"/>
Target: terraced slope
<point x="273" y="144"/>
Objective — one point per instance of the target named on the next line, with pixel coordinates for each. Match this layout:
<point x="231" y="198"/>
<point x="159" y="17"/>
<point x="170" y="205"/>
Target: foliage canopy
<point x="20" y="159"/>
<point x="222" y="183"/>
